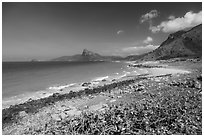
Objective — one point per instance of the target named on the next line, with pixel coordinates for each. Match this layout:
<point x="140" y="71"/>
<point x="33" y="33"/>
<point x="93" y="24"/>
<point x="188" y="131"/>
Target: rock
<point x="113" y="100"/>
<point x="67" y="109"/>
<point x="73" y="112"/>
<point x="62" y="115"/>
<point x="56" y="117"/>
<point x="104" y="105"/>
<point x="126" y="91"/>
<point x="139" y="89"/>
<point x="102" y="93"/>
<point x="30" y="99"/>
<point x="198" y="85"/>
<point x="199" y="78"/>
<point x="111" y="96"/>
<point x="86" y="84"/>
<point x="90" y="96"/>
<point x="157" y="80"/>
<point x="22" y="114"/>
<point x="86" y="107"/>
<point x="119" y="96"/>
<point x="55" y="94"/>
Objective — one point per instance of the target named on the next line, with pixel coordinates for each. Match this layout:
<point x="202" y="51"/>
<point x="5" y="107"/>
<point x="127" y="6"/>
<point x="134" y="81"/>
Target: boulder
<point x="198" y="85"/>
<point x="85" y="84"/>
<point x="22" y="114"/>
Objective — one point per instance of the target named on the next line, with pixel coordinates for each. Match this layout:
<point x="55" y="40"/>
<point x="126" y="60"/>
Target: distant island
<point x="87" y="55"/>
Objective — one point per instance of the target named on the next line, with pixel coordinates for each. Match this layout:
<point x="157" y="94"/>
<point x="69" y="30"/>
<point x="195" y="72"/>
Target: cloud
<point x="139" y="50"/>
<point x="119" y="32"/>
<point x="148" y="40"/>
<point x="149" y="16"/>
<point x="173" y="24"/>
<point x="171" y="17"/>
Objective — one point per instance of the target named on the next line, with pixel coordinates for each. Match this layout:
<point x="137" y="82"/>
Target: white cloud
<point x="148" y="16"/>
<point x="120" y="31"/>
<point x="190" y="19"/>
<point x="148" y="40"/>
<point x="171" y="17"/>
<point x="139" y="50"/>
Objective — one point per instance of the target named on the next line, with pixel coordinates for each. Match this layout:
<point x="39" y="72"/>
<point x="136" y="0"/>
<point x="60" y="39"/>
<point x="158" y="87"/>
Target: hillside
<point x="179" y="44"/>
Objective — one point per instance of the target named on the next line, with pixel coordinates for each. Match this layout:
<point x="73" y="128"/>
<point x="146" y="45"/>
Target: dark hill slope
<point x="179" y="44"/>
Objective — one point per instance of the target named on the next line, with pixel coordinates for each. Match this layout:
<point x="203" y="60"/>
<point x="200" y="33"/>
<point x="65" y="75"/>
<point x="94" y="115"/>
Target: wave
<point x="61" y="87"/>
<point x="100" y="78"/>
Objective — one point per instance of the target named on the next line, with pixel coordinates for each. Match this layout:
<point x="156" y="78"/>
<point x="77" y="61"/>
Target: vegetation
<point x="174" y="112"/>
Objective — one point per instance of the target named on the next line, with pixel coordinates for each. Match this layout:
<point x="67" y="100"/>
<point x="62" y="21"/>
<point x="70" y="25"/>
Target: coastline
<point x="151" y="68"/>
<point x="85" y="93"/>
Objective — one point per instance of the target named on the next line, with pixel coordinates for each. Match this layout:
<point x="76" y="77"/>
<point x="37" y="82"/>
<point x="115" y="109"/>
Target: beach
<point x="32" y="80"/>
<point x="151" y="94"/>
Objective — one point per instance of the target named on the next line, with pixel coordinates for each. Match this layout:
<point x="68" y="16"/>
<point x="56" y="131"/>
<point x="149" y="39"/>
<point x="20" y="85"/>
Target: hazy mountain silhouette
<point x="88" y="56"/>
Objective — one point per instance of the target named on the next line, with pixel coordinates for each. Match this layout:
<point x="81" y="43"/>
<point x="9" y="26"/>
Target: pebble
<point x="157" y="80"/>
<point x="90" y="96"/>
<point x="119" y="96"/>
<point x="86" y="107"/>
<point x="104" y="105"/>
<point x="113" y="100"/>
<point x="67" y="109"/>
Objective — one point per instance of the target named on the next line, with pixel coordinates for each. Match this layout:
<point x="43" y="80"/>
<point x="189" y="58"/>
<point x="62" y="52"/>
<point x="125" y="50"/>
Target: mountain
<point x="179" y="44"/>
<point x="88" y="56"/>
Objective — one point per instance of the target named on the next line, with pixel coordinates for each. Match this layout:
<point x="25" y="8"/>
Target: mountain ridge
<point x="179" y="44"/>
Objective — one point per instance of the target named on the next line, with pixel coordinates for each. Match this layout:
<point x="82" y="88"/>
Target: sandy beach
<point x="66" y="105"/>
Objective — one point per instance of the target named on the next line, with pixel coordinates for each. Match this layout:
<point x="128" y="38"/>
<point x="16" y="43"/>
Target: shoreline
<point x="77" y="89"/>
<point x="147" y="68"/>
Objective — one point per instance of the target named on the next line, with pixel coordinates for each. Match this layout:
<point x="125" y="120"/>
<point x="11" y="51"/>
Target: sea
<point x="27" y="78"/>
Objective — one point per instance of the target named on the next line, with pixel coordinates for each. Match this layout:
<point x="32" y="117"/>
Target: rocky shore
<point x="166" y="103"/>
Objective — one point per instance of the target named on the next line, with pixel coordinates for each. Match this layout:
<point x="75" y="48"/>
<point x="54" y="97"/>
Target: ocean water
<point x="29" y="77"/>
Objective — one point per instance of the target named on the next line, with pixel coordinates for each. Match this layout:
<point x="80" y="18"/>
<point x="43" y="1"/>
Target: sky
<point x="44" y="31"/>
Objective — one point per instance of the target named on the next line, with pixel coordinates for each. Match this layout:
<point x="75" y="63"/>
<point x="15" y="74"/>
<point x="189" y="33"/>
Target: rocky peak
<point x="88" y="53"/>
